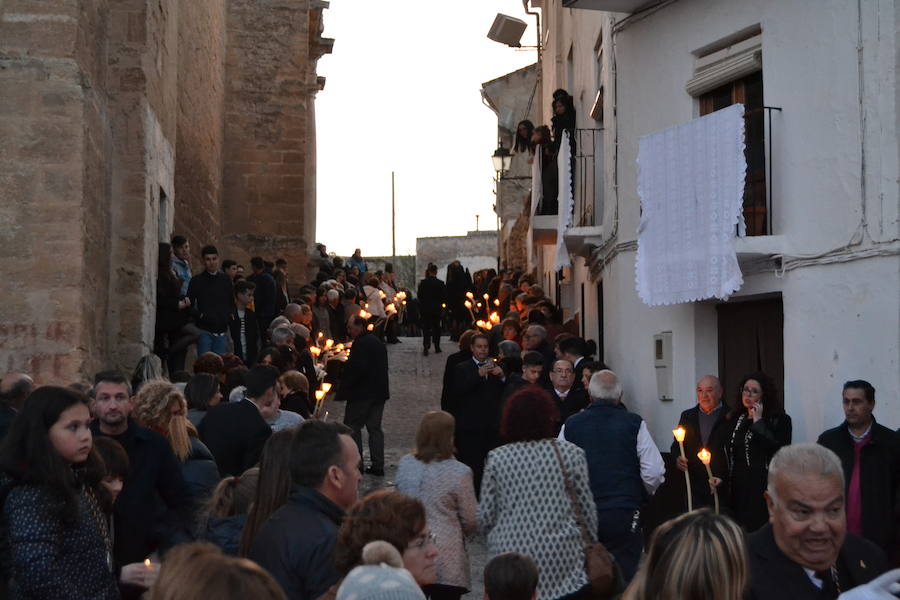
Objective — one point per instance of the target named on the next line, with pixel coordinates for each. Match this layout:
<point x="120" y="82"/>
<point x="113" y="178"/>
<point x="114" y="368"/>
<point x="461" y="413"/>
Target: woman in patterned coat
<point x="444" y="486"/>
<point x="524" y="505"/>
<point x="55" y="542"/>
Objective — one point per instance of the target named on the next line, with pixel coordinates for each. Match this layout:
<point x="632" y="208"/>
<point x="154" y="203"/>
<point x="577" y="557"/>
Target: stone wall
<point x="113" y="132"/>
<point x="476" y="250"/>
<point x="53" y="179"/>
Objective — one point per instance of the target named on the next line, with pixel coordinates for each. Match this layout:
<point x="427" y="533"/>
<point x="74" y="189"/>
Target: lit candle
<point x="478" y="304"/>
<point x="486" y="297"/>
<point x="148" y="564"/>
<point x="467" y="304"/>
<point x="470" y="295"/>
<point x="329" y="344"/>
<point x="705" y="457"/>
<point x="443" y="305"/>
<point x="495" y="318"/>
<point x="496" y="301"/>
<point x="320" y="394"/>
<point x="679" y="437"/>
<point x="320" y="334"/>
<point x="370" y="327"/>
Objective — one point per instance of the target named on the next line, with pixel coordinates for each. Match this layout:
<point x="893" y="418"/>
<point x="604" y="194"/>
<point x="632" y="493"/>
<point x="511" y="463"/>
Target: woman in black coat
<point x="759" y="428"/>
<point x="55" y="540"/>
<point x="174" y="329"/>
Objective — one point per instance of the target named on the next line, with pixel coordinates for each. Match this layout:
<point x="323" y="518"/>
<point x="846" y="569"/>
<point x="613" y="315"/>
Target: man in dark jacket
<point x="244" y="326"/>
<point x="364" y="386"/>
<point x="296" y="544"/>
<point x="478" y="386"/>
<point x="569" y="400"/>
<point x="805" y="552"/>
<point x="264" y="296"/>
<point x="152" y="510"/>
<point x="705" y="427"/>
<point x="432" y="298"/>
<point x="211" y="293"/>
<point x="535" y="338"/>
<point x="870" y="455"/>
<point x="235" y="432"/>
<point x="464" y="354"/>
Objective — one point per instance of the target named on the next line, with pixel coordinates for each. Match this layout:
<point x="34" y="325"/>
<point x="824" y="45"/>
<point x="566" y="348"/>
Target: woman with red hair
<point x="525" y="507"/>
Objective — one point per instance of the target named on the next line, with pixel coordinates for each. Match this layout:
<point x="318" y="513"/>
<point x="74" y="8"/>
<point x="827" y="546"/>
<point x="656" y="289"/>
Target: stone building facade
<point x="124" y="122"/>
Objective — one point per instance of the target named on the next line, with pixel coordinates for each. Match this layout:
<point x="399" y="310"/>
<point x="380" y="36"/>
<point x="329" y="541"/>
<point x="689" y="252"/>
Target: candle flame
<point x="470" y="295"/>
<point x="679" y="434"/>
<point x="370" y="327"/>
<point x="320" y="394"/>
<point x="496" y="301"/>
<point x="495" y="318"/>
<point x="147" y="563"/>
<point x="326" y="387"/>
<point x="320" y="334"/>
<point x="486" y="297"/>
<point x="704" y="456"/>
<point x="443" y="305"/>
<point x="315" y="351"/>
<point x="467" y="304"/>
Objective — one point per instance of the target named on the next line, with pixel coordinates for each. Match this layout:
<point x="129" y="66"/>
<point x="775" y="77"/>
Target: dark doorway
<point x="751" y="338"/>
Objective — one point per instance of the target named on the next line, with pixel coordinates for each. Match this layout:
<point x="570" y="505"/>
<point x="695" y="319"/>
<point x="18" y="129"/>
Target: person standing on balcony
<point x="549" y="171"/>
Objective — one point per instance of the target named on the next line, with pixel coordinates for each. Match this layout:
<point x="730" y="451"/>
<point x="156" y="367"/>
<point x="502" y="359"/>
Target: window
<point x="748" y="91"/>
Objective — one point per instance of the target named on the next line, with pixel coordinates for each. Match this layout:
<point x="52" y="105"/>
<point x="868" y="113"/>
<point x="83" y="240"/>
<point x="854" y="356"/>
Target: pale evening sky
<point x="403" y="94"/>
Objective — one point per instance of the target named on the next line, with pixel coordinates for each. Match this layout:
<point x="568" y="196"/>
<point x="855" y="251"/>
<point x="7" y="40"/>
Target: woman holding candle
<point x="759" y="428"/>
<point x="55" y="540"/>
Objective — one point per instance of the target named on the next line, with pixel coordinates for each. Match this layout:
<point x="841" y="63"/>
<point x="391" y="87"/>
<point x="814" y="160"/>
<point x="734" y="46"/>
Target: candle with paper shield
<point x="320" y="399"/>
<point x="705" y="457"/>
<point x="326" y="387"/>
<point x="679" y="437"/>
<point x="496" y="301"/>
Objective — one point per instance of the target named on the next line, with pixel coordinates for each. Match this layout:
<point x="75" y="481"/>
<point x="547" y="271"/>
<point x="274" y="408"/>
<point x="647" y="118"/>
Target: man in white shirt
<point x="624" y="465"/>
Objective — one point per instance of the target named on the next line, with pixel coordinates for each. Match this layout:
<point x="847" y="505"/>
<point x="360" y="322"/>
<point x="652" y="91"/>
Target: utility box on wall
<point x="662" y="360"/>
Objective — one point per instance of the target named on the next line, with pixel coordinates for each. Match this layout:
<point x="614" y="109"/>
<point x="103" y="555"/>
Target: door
<point x="751" y="338"/>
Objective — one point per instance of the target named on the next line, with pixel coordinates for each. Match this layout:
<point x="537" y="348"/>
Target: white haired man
<point x="624" y="465"/>
<point x="805" y="552"/>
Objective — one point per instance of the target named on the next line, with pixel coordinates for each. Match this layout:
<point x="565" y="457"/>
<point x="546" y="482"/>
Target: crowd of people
<point x="231" y="481"/>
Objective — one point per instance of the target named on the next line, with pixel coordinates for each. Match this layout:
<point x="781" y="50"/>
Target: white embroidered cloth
<point x="566" y="202"/>
<point x="691" y="185"/>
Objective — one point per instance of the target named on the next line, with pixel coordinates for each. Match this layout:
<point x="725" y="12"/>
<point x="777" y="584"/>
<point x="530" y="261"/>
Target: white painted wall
<point x="841" y="321"/>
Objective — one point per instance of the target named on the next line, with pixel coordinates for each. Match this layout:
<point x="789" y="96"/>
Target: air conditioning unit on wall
<point x="507" y="30"/>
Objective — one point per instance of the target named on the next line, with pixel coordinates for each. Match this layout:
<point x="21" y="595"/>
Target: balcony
<point x="621" y="6"/>
<point x="543" y="229"/>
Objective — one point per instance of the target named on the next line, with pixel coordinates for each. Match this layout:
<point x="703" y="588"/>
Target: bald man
<point x="705" y="427"/>
<point x="14" y="390"/>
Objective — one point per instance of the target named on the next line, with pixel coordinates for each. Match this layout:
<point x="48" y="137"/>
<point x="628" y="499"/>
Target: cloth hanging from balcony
<point x="566" y="200"/>
<point x="691" y="185"/>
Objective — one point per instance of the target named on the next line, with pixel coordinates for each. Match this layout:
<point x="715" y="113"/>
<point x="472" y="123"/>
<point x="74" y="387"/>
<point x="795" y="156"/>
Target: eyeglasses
<point x="750" y="392"/>
<point x="423" y="540"/>
<point x="563" y="371"/>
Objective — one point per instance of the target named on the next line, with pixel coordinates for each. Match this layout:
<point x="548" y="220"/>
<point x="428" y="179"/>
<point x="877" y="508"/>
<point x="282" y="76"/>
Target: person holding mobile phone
<point x="759" y="428"/>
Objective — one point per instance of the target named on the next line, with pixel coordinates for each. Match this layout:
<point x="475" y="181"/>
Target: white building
<point x="820" y="301"/>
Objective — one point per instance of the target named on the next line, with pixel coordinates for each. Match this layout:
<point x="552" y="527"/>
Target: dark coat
<point x="212" y="300"/>
<point x="264" y="300"/>
<point x="296" y="544"/>
<point x="447" y="389"/>
<point x="225" y="532"/>
<point x="745" y="483"/>
<point x="690" y="420"/>
<point x="251" y="333"/>
<point x="47" y="558"/>
<point x="476" y="403"/>
<point x="432" y="294"/>
<point x="574" y="402"/>
<point x="201" y="475"/>
<point x="337" y="319"/>
<point x="7" y="416"/>
<point x="879" y="475"/>
<point x="365" y="374"/>
<point x="235" y="433"/>
<point x="297" y="402"/>
<point x="169" y="318"/>
<point x="773" y="576"/>
<point x="153" y="507"/>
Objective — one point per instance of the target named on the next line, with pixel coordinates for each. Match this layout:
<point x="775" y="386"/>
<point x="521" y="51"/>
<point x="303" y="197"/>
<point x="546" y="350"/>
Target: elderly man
<point x="624" y="466"/>
<point x="870" y="454"/>
<point x="569" y="399"/>
<point x="705" y="427"/>
<point x="805" y="552"/>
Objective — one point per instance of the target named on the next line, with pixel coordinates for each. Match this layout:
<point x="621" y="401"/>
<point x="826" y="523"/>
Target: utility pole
<point x="477" y="217"/>
<point x="393" y="222"/>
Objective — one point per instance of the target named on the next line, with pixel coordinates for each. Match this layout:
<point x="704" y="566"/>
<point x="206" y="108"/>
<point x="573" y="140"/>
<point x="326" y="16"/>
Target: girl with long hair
<point x="273" y="485"/>
<point x="225" y="515"/>
<point x="54" y="534"/>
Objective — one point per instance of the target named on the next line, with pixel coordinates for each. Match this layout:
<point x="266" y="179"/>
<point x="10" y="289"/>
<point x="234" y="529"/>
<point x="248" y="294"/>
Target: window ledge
<point x="543" y="229"/>
<point x="759" y="246"/>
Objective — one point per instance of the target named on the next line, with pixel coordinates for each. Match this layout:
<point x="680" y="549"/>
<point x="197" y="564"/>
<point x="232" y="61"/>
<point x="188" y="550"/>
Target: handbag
<point x="598" y="562"/>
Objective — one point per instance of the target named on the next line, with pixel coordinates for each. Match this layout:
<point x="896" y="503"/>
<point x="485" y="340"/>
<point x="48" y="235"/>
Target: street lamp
<point x="502" y="159"/>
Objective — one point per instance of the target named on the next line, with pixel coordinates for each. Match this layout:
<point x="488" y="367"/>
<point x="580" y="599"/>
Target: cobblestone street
<point x="415" y="389"/>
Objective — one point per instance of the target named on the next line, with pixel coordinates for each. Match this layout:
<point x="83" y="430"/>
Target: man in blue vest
<point x="624" y="466"/>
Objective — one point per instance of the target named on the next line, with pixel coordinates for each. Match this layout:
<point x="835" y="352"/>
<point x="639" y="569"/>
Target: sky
<point x="402" y="94"/>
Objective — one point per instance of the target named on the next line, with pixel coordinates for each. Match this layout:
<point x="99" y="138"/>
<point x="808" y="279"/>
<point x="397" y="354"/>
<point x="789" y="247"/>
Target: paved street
<point x="415" y="389"/>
